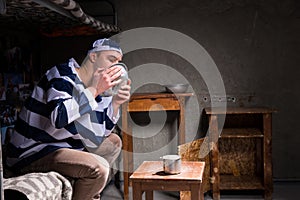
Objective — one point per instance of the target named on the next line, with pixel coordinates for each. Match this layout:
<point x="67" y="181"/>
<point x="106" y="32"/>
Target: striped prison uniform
<point x="60" y="113"/>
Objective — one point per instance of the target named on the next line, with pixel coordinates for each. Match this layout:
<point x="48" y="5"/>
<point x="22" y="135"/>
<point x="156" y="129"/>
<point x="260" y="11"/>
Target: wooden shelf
<point x="245" y="139"/>
<point x="239" y="110"/>
<point x="230" y="182"/>
<point x="241" y="133"/>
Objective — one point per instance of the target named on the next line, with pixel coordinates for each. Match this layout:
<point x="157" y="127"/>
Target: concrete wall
<point x="255" y="46"/>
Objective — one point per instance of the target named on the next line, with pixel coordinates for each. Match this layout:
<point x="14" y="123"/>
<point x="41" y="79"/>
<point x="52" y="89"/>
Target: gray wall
<point x="254" y="44"/>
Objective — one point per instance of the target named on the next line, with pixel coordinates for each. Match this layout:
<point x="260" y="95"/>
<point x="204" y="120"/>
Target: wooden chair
<point x="197" y="150"/>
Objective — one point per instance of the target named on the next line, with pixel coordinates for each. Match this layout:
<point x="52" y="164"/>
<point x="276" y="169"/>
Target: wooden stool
<point x="149" y="176"/>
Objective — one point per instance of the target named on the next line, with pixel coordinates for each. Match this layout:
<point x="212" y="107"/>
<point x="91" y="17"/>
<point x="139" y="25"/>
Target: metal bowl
<point x="176" y="88"/>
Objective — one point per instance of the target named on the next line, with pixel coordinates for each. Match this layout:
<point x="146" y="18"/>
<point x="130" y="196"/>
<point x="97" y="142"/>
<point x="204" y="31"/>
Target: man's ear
<point x="92" y="57"/>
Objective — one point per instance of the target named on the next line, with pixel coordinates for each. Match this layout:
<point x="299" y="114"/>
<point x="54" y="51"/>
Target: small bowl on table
<point x="176" y="88"/>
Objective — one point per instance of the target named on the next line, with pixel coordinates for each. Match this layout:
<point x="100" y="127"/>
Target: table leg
<point x="127" y="172"/>
<point x="201" y="192"/>
<point x="196" y="192"/>
<point x="136" y="191"/>
<point x="127" y="140"/>
<point x="126" y="186"/>
<point x="181" y="121"/>
<point x="149" y="195"/>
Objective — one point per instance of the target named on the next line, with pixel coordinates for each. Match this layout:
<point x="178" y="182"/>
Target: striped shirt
<point x="61" y="113"/>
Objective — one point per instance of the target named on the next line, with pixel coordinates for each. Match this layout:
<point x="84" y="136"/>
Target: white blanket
<point x="41" y="186"/>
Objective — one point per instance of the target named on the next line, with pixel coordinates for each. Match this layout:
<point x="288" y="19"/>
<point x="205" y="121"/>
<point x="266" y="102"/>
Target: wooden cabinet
<point x="241" y="149"/>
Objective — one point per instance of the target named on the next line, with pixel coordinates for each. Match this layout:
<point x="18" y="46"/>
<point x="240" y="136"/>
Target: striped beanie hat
<point x="105" y="45"/>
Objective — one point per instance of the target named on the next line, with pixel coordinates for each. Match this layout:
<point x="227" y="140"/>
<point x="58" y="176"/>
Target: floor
<point x="282" y="191"/>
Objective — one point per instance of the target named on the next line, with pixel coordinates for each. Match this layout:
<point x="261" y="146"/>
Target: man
<point x="66" y="115"/>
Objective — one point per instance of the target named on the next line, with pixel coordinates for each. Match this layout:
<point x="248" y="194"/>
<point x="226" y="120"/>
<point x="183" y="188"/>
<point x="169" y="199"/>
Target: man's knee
<point x="100" y="168"/>
<point x="115" y="139"/>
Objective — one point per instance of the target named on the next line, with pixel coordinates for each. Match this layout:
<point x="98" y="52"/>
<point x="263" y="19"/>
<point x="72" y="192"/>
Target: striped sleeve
<point x="104" y="114"/>
<point x="68" y="100"/>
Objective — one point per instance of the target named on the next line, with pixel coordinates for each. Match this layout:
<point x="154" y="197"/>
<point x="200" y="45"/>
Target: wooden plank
<point x="268" y="182"/>
<point x="181" y="121"/>
<point x="241" y="133"/>
<point x="230" y="182"/>
<point x="259" y="157"/>
<point x="190" y="170"/>
<point x="158" y="104"/>
<point x="213" y="137"/>
<point x="166" y="185"/>
<point x="159" y="95"/>
<point x="239" y="110"/>
<point x="127" y="149"/>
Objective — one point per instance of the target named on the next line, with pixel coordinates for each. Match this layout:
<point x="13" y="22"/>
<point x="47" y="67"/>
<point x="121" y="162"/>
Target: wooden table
<point x="143" y="102"/>
<point x="149" y="176"/>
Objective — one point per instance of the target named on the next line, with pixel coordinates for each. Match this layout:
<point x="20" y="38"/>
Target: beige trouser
<point x="89" y="170"/>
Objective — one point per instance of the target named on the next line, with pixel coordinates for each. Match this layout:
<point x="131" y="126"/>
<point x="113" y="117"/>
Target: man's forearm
<point x="116" y="108"/>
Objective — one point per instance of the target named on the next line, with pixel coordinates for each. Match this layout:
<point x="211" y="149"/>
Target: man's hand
<point x="122" y="96"/>
<point x="104" y="79"/>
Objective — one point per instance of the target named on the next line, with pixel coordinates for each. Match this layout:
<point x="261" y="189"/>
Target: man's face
<point x="105" y="59"/>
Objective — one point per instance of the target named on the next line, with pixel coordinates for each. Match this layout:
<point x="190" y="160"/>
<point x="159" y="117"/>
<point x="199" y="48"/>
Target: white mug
<point x="124" y="78"/>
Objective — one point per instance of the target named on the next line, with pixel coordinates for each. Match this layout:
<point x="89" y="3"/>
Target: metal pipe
<point x="55" y="8"/>
<point x="2" y="7"/>
<point x="1" y="170"/>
